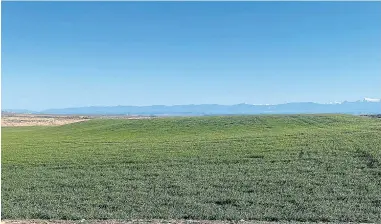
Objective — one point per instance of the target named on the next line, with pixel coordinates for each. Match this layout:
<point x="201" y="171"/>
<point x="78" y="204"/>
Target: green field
<point x="294" y="167"/>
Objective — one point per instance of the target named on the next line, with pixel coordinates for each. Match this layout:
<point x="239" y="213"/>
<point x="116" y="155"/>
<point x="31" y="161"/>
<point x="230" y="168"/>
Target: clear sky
<point x="70" y="54"/>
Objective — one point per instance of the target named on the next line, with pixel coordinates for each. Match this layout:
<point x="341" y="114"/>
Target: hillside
<point x="270" y="167"/>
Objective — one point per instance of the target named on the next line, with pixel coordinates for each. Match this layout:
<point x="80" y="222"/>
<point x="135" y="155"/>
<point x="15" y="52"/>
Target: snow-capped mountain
<point x="365" y="106"/>
<point x="372" y="100"/>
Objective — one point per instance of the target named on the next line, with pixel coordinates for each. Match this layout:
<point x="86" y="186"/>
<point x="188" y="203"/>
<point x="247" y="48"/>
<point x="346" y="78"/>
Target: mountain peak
<point x="364" y="106"/>
<point x="371" y="100"/>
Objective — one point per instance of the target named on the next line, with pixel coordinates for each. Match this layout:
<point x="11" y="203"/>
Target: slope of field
<point x="296" y="167"/>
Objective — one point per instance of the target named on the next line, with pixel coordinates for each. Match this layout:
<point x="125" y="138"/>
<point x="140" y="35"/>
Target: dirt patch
<point x="14" y="120"/>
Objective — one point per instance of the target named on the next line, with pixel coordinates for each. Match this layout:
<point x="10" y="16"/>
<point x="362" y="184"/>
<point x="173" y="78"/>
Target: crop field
<point x="312" y="168"/>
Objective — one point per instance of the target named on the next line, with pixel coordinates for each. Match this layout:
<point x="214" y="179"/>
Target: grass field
<point x="294" y="167"/>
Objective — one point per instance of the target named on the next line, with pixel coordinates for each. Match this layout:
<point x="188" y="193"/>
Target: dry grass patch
<point x="15" y="120"/>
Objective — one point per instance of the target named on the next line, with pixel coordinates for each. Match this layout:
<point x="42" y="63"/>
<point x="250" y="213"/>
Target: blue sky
<point x="70" y="54"/>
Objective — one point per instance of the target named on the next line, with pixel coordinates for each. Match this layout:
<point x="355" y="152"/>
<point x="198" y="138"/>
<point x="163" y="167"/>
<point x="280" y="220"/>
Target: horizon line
<point x="365" y="99"/>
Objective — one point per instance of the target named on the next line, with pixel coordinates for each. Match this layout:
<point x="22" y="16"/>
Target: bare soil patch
<point x="14" y="120"/>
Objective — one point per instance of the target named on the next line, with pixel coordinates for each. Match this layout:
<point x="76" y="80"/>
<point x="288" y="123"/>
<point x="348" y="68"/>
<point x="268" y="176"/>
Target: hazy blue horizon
<point x="366" y="100"/>
<point x="78" y="54"/>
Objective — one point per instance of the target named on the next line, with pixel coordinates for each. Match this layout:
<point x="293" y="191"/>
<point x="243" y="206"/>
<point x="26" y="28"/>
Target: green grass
<point x="294" y="167"/>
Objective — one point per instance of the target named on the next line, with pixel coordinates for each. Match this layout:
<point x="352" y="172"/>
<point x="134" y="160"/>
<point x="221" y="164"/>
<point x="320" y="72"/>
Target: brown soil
<point x="13" y="120"/>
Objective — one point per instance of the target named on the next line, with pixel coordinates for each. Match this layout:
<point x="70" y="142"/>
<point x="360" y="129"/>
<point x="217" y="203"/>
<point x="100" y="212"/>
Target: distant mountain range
<point x="365" y="106"/>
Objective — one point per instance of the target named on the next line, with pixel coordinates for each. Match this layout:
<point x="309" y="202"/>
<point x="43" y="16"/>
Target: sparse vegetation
<point x="13" y="119"/>
<point x="295" y="167"/>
